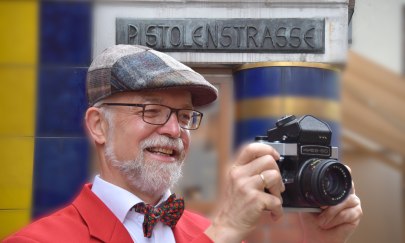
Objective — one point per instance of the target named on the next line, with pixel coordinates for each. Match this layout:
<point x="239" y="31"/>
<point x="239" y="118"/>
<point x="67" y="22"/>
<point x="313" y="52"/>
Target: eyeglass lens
<point x="159" y="115"/>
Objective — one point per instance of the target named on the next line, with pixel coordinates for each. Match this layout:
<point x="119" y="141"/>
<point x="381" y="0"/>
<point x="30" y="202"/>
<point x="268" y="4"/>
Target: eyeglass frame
<point x="172" y="110"/>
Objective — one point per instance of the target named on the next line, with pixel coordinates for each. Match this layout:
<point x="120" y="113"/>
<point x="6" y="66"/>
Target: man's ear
<point x="95" y="127"/>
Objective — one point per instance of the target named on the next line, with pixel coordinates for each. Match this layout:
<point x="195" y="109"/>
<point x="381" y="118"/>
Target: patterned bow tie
<point x="168" y="213"/>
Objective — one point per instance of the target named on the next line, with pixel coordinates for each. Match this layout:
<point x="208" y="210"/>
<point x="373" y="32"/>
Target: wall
<point x="378" y="30"/>
<point x="379" y="187"/>
<point x="378" y="38"/>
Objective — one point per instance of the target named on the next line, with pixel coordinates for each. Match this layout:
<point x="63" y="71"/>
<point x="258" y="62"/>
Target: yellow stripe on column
<point x="17" y="100"/>
<point x="16" y="158"/>
<point x="18" y="71"/>
<point x="12" y="220"/>
<point x="280" y="106"/>
<point x="19" y="28"/>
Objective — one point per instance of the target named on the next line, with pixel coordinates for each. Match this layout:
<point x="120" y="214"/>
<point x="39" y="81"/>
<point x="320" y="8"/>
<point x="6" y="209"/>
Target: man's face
<point x="149" y="157"/>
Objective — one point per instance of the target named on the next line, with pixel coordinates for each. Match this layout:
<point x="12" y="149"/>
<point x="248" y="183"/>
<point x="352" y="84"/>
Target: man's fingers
<point x="265" y="162"/>
<point x="273" y="181"/>
<point x="272" y="203"/>
<point x="255" y="150"/>
<point x="346" y="216"/>
<point x="333" y="213"/>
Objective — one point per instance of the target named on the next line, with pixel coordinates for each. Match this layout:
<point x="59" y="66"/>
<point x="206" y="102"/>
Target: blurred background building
<point x="356" y="85"/>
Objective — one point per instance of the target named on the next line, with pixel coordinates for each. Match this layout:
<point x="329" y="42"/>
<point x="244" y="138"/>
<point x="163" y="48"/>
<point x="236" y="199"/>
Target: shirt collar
<point x="117" y="199"/>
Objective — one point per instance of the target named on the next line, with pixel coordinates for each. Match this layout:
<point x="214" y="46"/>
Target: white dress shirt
<point x="120" y="202"/>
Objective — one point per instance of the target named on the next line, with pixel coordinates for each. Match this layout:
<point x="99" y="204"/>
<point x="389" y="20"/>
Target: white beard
<point x="150" y="176"/>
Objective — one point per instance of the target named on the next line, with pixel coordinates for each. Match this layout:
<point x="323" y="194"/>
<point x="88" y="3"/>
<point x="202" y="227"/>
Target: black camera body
<point x="308" y="164"/>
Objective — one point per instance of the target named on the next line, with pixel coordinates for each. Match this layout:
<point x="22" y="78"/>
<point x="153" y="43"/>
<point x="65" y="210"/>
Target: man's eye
<point x="152" y="112"/>
<point x="185" y="117"/>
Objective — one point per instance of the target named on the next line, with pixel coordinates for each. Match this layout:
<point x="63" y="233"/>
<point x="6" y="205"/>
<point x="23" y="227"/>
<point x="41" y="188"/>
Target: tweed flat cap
<point x="135" y="68"/>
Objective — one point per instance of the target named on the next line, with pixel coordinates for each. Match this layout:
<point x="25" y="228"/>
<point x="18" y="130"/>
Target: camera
<point x="309" y="166"/>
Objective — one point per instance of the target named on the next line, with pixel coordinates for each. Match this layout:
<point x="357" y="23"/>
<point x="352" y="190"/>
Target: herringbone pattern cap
<point x="134" y="68"/>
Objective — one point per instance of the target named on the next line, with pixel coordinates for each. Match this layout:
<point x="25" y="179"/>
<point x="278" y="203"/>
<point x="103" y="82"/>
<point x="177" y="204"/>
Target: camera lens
<point x="325" y="182"/>
<point x="332" y="183"/>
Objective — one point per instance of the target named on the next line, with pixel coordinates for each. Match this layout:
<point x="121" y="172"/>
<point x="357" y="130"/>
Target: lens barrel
<point x="324" y="182"/>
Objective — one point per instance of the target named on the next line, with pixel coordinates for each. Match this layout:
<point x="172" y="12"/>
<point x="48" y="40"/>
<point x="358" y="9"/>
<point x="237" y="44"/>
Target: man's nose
<point x="172" y="127"/>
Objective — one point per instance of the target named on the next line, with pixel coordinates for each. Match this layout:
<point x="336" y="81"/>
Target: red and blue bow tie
<point x="169" y="212"/>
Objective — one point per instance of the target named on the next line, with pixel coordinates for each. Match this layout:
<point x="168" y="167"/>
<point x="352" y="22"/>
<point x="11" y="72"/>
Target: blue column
<point x="61" y="160"/>
<point x="264" y="92"/>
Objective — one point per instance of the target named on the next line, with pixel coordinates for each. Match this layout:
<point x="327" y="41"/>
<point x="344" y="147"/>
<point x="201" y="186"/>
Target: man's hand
<point x="245" y="200"/>
<point x="335" y="223"/>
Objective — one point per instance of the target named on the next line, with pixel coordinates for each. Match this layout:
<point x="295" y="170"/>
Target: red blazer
<point x="88" y="219"/>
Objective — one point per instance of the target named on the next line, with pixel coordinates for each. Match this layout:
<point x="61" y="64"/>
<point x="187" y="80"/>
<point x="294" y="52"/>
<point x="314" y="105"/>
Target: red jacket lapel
<point x="101" y="222"/>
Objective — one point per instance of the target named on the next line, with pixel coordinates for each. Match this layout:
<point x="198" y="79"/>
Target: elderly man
<point x="141" y="110"/>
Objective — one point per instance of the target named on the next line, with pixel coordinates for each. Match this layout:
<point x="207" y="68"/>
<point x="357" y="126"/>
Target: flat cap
<point x="135" y="68"/>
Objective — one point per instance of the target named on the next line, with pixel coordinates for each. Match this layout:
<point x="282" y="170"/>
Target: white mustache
<point x="163" y="141"/>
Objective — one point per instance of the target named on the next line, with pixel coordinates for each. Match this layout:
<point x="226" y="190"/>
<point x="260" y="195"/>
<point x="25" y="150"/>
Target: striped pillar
<point x="264" y="92"/>
<point x="45" y="51"/>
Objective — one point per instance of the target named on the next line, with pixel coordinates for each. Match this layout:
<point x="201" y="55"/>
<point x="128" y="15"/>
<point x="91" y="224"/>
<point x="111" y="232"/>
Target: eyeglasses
<point x="157" y="114"/>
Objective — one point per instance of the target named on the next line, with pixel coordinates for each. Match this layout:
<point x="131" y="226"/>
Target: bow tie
<point x="169" y="212"/>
